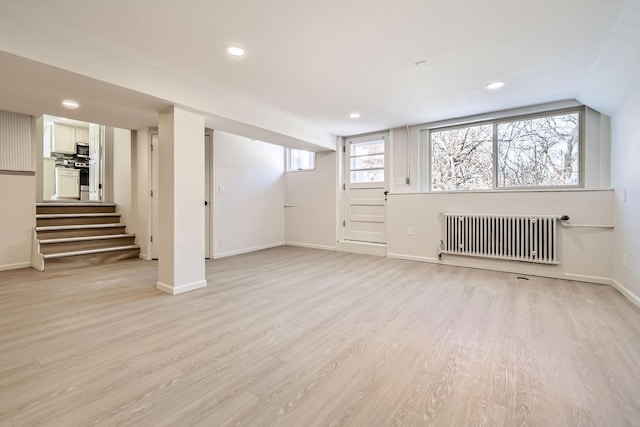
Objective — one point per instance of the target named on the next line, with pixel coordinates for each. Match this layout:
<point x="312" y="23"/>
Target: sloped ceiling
<point x="310" y="63"/>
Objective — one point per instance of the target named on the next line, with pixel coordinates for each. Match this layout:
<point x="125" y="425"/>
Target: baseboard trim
<point x="635" y="300"/>
<point x="175" y="290"/>
<point x="589" y="279"/>
<point x="551" y="275"/>
<point x="15" y="266"/>
<point x="248" y="250"/>
<point x="363" y="248"/>
<point x="414" y="258"/>
<point x="311" y="246"/>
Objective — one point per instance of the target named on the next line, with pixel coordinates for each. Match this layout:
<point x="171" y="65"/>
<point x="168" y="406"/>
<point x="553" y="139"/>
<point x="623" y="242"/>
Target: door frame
<point x="208" y="193"/>
<point x="346" y="141"/>
<point x="153" y="193"/>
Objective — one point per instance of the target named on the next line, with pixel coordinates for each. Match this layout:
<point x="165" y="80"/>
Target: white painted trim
<point x="590" y="279"/>
<point x="175" y="290"/>
<point x="364" y="248"/>
<point x="311" y="246"/>
<point x="37" y="260"/>
<point x="145" y="257"/>
<point x="626" y="292"/>
<point x="248" y="250"/>
<point x="90" y="251"/>
<point x="414" y="258"/>
<point x="514" y="270"/>
<point x="15" y="266"/>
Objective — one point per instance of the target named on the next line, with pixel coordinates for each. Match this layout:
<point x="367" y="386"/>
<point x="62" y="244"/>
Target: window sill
<point x="538" y="190"/>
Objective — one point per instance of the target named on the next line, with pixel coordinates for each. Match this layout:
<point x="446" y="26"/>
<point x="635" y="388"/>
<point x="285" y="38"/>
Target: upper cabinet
<point x="82" y="135"/>
<point x="63" y="139"/>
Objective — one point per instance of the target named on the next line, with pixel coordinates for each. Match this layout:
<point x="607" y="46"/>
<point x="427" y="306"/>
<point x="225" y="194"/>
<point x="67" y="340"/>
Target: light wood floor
<point x="301" y="337"/>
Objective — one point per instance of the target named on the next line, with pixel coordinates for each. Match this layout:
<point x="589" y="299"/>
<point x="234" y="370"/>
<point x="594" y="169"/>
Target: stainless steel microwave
<point x="82" y="149"/>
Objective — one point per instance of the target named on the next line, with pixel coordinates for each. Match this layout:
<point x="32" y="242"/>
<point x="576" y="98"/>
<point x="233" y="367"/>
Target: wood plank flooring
<point x="302" y="337"/>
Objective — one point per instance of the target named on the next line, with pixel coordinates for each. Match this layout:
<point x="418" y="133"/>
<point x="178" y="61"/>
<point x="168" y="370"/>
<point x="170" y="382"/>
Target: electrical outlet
<point x="624" y="260"/>
<point x="221" y="189"/>
<point x="409" y="231"/>
<point x="221" y="242"/>
<point x="400" y="181"/>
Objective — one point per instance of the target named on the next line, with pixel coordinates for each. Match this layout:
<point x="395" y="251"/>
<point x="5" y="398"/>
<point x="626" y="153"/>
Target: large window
<point x="300" y="160"/>
<point x="541" y="151"/>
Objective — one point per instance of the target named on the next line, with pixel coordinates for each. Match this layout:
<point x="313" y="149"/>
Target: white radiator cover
<point x="528" y="238"/>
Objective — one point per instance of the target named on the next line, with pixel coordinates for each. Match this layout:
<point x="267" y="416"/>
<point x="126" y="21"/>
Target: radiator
<point x="529" y="238"/>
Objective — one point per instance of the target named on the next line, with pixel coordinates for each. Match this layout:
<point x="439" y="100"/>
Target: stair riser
<point x="69" y="263"/>
<point x="60" y="234"/>
<point x="74" y="209"/>
<point x="45" y="222"/>
<point x="56" y="248"/>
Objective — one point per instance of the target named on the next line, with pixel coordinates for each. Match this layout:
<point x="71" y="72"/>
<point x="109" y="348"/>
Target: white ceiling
<point x="310" y="63"/>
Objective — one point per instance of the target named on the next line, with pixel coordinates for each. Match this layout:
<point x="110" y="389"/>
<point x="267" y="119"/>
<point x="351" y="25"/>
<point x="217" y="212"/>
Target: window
<point x="541" y="151"/>
<point x="366" y="161"/>
<point x="461" y="159"/>
<point x="300" y="160"/>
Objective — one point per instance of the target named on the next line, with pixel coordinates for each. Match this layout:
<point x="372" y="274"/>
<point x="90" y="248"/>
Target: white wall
<point x="122" y="176"/>
<point x="249" y="215"/>
<point x="597" y="147"/>
<point x="584" y="252"/>
<point x="18" y="214"/>
<point x="18" y="195"/>
<point x="625" y="167"/>
<point x="311" y="204"/>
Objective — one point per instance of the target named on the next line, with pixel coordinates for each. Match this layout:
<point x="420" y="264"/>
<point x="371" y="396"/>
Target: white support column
<point x="180" y="201"/>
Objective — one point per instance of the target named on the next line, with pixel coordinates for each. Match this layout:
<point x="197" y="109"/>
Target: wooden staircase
<point x="70" y="235"/>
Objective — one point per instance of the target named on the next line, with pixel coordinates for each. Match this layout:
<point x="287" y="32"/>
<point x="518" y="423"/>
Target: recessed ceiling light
<point x="354" y="115"/>
<point x="70" y="103"/>
<point x="495" y="85"/>
<point x="235" y="51"/>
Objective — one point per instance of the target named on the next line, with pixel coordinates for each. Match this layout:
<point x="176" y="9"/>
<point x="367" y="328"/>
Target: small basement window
<point x="300" y="160"/>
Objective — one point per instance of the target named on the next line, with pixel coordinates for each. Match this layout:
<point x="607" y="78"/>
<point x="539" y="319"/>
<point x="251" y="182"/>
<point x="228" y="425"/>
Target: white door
<point x="154" y="196"/>
<point x="365" y="187"/>
<point x="208" y="199"/>
<point x="94" y="163"/>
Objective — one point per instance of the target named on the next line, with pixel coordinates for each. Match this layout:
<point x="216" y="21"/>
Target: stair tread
<point x="76" y="227"/>
<point x="48" y="204"/>
<point x="76" y="215"/>
<point x="85" y="238"/>
<point x="90" y="251"/>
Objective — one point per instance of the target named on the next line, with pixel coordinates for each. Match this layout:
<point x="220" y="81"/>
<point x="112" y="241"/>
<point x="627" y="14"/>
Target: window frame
<point x="365" y="139"/>
<point x="494" y="122"/>
<point x="287" y="160"/>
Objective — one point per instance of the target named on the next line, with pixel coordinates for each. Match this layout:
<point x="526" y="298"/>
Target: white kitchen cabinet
<point x="63" y="139"/>
<point x="67" y="183"/>
<point x="82" y="135"/>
